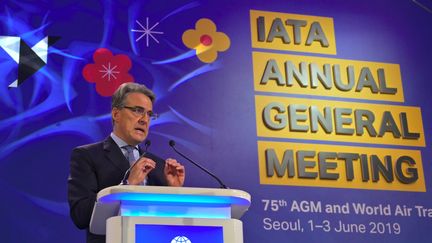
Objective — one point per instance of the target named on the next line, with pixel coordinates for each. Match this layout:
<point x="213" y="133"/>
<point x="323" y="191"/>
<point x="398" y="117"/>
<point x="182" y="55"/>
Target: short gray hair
<point x="125" y="89"/>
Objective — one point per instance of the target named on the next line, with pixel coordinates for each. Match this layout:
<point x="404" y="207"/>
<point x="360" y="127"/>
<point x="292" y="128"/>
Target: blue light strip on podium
<point x="169" y="198"/>
<point x="175" y="212"/>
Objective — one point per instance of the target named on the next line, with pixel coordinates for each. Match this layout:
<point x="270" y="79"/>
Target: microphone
<point x="222" y="185"/>
<point x="124" y="181"/>
<point x="147" y="144"/>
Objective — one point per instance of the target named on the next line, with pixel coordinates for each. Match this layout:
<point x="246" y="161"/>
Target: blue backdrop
<point x="207" y="107"/>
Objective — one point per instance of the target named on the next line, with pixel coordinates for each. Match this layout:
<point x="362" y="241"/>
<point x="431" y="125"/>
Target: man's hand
<point x="174" y="172"/>
<point x="140" y="171"/>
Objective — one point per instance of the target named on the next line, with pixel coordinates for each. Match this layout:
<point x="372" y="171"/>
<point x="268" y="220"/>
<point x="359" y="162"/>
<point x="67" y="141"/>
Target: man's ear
<point x="115" y="113"/>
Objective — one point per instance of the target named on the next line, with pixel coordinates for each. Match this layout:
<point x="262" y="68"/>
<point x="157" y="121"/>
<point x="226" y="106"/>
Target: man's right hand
<point x="140" y="171"/>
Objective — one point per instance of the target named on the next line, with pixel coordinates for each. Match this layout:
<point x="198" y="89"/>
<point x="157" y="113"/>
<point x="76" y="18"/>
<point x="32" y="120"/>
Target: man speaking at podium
<point x="118" y="159"/>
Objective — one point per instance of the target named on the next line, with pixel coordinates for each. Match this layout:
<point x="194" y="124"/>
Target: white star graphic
<point x="109" y="71"/>
<point x="147" y="31"/>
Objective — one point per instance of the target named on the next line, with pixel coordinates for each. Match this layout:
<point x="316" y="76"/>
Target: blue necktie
<point x="131" y="158"/>
<point x="130" y="155"/>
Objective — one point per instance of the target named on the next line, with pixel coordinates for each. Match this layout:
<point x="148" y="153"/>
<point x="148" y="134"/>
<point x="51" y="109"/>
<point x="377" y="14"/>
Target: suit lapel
<point x="115" y="155"/>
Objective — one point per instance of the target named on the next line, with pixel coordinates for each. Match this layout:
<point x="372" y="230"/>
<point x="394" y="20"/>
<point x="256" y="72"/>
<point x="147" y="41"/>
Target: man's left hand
<point x="174" y="172"/>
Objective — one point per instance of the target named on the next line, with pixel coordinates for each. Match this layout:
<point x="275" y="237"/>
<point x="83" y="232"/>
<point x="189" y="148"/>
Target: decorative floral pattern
<point x="108" y="71"/>
<point x="206" y="40"/>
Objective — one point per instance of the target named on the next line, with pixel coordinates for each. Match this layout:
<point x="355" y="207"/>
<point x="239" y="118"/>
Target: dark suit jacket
<point x="97" y="166"/>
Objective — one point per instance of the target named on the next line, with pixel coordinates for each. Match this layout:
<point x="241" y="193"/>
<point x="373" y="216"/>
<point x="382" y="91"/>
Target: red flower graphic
<point x="108" y="71"/>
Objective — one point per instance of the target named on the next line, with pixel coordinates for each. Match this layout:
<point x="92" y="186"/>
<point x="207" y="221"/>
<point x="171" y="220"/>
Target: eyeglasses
<point x="140" y="111"/>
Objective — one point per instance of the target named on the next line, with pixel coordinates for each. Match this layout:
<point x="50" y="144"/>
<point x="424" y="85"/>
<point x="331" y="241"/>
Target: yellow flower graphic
<point x="205" y="40"/>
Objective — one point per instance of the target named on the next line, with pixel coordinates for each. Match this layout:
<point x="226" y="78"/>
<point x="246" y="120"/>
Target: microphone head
<point x="147" y="143"/>
<point x="171" y="143"/>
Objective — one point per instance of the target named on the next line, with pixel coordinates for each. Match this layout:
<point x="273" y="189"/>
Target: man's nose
<point x="143" y="120"/>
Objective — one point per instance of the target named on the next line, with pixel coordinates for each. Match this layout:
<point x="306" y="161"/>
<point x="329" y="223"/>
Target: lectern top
<point x="156" y="201"/>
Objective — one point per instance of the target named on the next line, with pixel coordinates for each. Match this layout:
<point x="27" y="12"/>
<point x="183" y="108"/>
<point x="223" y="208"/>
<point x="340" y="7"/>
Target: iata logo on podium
<point x="181" y="239"/>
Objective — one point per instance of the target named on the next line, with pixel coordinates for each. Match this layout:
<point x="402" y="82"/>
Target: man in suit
<point x="96" y="166"/>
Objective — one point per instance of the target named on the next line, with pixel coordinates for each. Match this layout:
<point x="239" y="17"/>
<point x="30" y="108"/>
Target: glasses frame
<point x="141" y="111"/>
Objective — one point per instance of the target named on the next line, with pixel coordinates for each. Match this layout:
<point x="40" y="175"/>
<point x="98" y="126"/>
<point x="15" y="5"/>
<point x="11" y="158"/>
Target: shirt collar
<point x="119" y="141"/>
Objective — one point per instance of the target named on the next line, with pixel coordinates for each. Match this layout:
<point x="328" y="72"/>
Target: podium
<point x="135" y="214"/>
